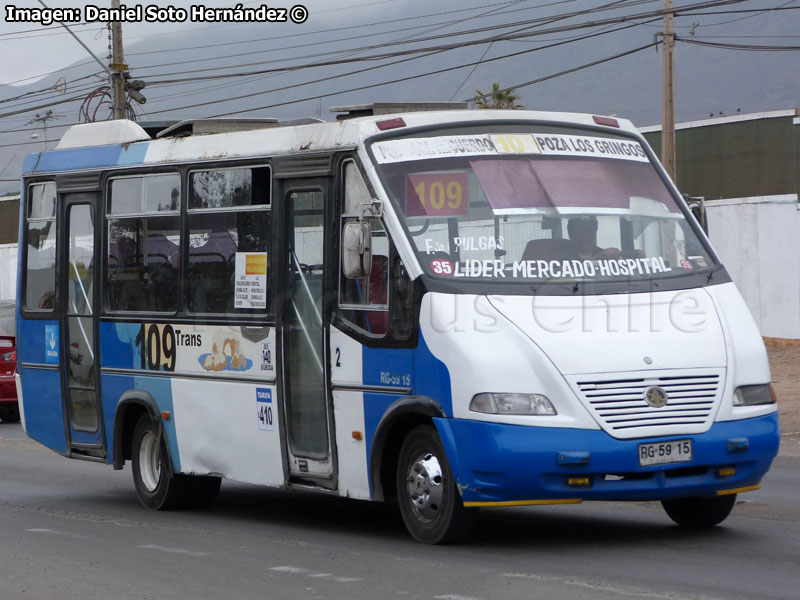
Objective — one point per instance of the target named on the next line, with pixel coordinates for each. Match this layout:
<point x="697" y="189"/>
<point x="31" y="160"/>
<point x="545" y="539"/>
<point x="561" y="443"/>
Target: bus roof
<point x="123" y="143"/>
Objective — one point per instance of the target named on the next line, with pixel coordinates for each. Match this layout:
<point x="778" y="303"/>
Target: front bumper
<point x="496" y="464"/>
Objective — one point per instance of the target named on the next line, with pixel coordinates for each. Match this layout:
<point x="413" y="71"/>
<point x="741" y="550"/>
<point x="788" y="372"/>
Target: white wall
<point x="758" y="240"/>
<point x="8" y="271"/>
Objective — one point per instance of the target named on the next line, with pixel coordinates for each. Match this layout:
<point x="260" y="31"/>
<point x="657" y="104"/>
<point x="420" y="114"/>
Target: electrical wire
<point x="341" y="75"/>
<point x="731" y="46"/>
<point x="450" y="46"/>
<point x="419" y="51"/>
<point x="402" y="79"/>
<point x="530" y="23"/>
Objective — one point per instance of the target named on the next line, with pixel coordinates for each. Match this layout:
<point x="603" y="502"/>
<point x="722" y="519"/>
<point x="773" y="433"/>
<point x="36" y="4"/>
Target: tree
<point x="497" y="98"/>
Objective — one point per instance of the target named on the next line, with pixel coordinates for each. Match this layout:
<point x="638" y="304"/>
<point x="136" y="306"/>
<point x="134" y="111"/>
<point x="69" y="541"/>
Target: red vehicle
<point x="9" y="409"/>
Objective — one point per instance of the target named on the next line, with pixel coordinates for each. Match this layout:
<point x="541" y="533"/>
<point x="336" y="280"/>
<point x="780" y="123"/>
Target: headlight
<point x="753" y="395"/>
<point x="512" y="404"/>
<point x="9" y="356"/>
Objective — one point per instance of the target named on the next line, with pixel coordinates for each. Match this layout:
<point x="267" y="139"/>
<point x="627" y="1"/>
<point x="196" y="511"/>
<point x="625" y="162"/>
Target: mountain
<point x="709" y="81"/>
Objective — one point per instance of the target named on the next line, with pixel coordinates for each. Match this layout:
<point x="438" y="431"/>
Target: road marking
<point x="610" y="587"/>
<point x="289" y="569"/>
<point x="312" y="574"/>
<point x="173" y="550"/>
<point x="455" y="597"/>
<point x="76" y="536"/>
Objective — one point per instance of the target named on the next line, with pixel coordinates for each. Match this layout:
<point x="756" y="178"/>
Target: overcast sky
<point x="40" y="50"/>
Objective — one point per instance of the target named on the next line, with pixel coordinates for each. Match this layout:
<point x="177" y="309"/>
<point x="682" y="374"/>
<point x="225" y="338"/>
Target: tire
<point x="430" y="503"/>
<point x="10" y="415"/>
<point x="699" y="512"/>
<point x="13" y="415"/>
<point x="155" y="486"/>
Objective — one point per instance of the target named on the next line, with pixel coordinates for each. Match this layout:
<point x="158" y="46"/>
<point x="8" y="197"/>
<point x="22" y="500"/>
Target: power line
<point x="341" y="75"/>
<point x="365" y="25"/>
<point x="529" y="23"/>
<point x="399" y="80"/>
<point x="47" y="89"/>
<point x="451" y="46"/>
<point x="731" y="46"/>
<point x="402" y="79"/>
<point x="572" y="70"/>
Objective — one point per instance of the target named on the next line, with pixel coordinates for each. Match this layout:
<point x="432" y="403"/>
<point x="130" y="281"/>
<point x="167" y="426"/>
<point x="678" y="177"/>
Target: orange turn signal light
<point x="579" y="481"/>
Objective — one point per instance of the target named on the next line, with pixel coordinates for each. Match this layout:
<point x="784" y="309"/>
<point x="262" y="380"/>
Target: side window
<point x="40" y="239"/>
<point x="364" y="302"/>
<point x="143" y="252"/>
<point x="229" y="240"/>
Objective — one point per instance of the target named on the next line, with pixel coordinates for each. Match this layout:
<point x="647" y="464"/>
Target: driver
<point x="582" y="232"/>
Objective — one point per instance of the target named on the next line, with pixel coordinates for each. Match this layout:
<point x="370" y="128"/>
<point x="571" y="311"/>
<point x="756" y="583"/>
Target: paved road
<point x="71" y="529"/>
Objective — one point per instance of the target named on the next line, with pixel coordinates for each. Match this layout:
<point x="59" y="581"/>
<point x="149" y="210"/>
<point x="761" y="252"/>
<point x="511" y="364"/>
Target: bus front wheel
<point x="429" y="501"/>
<point x="154" y="486"/>
<point x="699" y="512"/>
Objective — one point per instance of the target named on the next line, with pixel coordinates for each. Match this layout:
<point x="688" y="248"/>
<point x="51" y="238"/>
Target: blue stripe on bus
<point x="78" y="158"/>
<point x="30" y="163"/>
<point x="85" y="158"/>
<point x="133" y="154"/>
<point x="432" y="377"/>
<point x="427" y="374"/>
<point x="119" y="349"/>
<point x="160" y="388"/>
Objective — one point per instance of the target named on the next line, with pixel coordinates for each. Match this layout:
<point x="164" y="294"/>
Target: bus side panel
<point x="37" y="344"/>
<point x="348" y="409"/>
<point x="229" y="428"/>
<point x="114" y="386"/>
<point x="412" y="372"/>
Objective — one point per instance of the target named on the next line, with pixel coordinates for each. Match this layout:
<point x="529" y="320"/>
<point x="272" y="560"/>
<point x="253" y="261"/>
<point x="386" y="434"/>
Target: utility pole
<point x="668" y="95"/>
<point x="118" y="67"/>
<point x="42" y="119"/>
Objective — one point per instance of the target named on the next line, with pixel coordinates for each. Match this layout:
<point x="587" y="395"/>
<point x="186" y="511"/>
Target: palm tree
<point x="497" y="98"/>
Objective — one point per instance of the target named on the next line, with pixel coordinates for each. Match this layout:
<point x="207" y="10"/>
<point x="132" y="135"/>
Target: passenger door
<point x="78" y="334"/>
<point x="307" y="410"/>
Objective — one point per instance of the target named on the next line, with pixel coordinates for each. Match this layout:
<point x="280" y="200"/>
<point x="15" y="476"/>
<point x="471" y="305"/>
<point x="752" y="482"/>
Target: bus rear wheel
<point x="429" y="501"/>
<point x="155" y="487"/>
<point x="699" y="512"/>
<point x="10" y="415"/>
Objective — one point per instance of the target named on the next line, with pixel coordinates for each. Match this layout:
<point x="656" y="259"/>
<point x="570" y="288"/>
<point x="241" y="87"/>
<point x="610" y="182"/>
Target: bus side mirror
<point x="356" y="249"/>
<point x="697" y="204"/>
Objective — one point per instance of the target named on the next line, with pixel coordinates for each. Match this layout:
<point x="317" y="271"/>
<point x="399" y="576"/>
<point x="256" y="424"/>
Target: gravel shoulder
<point x="784" y="362"/>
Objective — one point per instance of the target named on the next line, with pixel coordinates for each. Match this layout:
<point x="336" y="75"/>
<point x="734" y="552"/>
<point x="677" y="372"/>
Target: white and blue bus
<point x="454" y="309"/>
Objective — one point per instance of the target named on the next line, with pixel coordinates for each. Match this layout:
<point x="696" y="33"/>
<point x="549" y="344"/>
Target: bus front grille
<point x="619" y="404"/>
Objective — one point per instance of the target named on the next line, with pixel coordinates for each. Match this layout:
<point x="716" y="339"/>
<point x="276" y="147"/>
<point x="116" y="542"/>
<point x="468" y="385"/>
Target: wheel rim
<point x="149" y="461"/>
<point x="425" y="489"/>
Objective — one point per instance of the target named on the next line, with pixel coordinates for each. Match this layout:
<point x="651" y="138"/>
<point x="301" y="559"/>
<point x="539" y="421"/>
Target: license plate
<point x="663" y="453"/>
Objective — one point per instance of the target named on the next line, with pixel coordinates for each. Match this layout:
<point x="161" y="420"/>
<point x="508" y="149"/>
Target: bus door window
<point x="143" y="223"/>
<point x="364" y="302"/>
<point x="80" y="328"/>
<point x="229" y="214"/>
<point x="307" y="422"/>
<point x="40" y="235"/>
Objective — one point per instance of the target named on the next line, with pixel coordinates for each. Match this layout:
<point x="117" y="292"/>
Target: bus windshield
<point x="537" y="206"/>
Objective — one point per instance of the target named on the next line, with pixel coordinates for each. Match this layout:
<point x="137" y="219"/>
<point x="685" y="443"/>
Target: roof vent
<point x="204" y="126"/>
<point x="103" y="133"/>
<point x="389" y="108"/>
